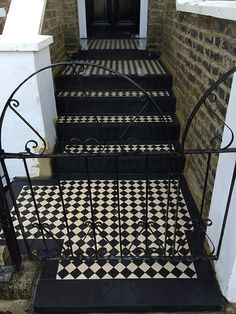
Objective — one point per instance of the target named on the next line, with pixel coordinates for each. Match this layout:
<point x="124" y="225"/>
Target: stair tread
<point x="114" y="93"/>
<point x="79" y="119"/>
<point x="115" y="148"/>
<point x="116" y="44"/>
<point x="141" y="67"/>
<point x="133" y="296"/>
<point x="97" y="269"/>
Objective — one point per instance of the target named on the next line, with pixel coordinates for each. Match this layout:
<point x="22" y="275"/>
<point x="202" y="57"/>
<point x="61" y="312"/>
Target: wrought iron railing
<point x="163" y="246"/>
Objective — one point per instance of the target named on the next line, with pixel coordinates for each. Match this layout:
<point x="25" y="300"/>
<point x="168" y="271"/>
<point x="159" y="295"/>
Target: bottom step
<point x="127" y="295"/>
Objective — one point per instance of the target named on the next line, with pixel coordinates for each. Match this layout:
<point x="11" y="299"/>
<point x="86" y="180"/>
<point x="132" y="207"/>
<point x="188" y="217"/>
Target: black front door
<point x="112" y="18"/>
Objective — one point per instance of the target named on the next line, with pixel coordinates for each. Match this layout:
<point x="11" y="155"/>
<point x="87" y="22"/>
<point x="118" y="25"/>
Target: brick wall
<point x="5" y="5"/>
<point x="155" y="22"/>
<point x="71" y="25"/>
<point x="61" y="21"/>
<point x="196" y="50"/>
<point x="53" y="24"/>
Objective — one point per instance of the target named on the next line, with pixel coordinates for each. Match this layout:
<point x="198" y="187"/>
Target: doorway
<point x="113" y="18"/>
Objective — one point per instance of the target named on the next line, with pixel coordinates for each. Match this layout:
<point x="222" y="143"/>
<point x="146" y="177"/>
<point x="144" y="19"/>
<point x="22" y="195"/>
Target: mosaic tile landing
<point x="165" y="230"/>
<point x="104" y="197"/>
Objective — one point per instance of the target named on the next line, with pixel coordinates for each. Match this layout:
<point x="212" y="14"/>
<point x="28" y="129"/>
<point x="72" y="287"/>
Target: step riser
<point x="113" y="132"/>
<point x="107" y="165"/>
<point x="115" y="54"/>
<point x="109" y="105"/>
<point x="109" y="83"/>
<point x="124" y="309"/>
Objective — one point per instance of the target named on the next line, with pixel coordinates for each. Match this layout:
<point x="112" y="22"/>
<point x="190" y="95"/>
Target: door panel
<point x="112" y="18"/>
<point x="101" y="12"/>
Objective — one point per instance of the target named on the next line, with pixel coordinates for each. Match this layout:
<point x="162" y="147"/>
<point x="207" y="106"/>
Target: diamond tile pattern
<point x="114" y="119"/>
<point x="125" y="270"/>
<point x="167" y="228"/>
<point x="106" y="149"/>
<point x="127" y="67"/>
<point x="114" y="93"/>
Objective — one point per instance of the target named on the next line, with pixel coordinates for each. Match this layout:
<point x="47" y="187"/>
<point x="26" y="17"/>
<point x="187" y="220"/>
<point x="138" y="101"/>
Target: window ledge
<point x="220" y="9"/>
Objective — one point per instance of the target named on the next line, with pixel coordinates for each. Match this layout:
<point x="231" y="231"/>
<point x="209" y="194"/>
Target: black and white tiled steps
<point x="72" y="286"/>
<point x="110" y="127"/>
<point x="131" y="159"/>
<point x="114" y="101"/>
<point x="149" y="73"/>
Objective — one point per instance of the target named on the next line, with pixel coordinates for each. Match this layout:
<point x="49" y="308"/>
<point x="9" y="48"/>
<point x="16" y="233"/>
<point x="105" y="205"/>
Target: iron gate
<point x="172" y="240"/>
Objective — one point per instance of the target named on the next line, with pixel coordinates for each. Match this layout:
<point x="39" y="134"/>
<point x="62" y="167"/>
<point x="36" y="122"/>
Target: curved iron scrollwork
<point x="46" y="252"/>
<point x="208" y="99"/>
<point x="88" y="146"/>
<point x="13" y="104"/>
<point x="217" y="139"/>
<point x="145" y="250"/>
<point x="200" y="230"/>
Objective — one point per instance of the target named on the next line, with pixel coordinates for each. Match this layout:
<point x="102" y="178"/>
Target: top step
<point x="113" y="44"/>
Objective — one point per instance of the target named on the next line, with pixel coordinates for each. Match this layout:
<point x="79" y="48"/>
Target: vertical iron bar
<point x="63" y="207"/>
<point x="232" y="185"/>
<point x="205" y="183"/>
<point x="68" y="102"/>
<point x="146" y="207"/>
<point x="8" y="230"/>
<point x="91" y="207"/>
<point x="118" y="202"/>
<point x="4" y="168"/>
<point x="35" y="203"/>
<point x="203" y="202"/>
<point x="167" y="209"/>
<point x="176" y="213"/>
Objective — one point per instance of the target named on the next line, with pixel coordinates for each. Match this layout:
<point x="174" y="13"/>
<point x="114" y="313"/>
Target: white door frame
<point x="83" y="23"/>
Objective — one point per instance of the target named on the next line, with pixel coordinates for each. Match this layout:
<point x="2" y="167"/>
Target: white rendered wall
<point x="25" y="18"/>
<point x="82" y="18"/>
<point x="226" y="265"/>
<point x="221" y="9"/>
<point x="143" y="18"/>
<point x="22" y="52"/>
<point x="37" y="105"/>
<point x="46" y="96"/>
